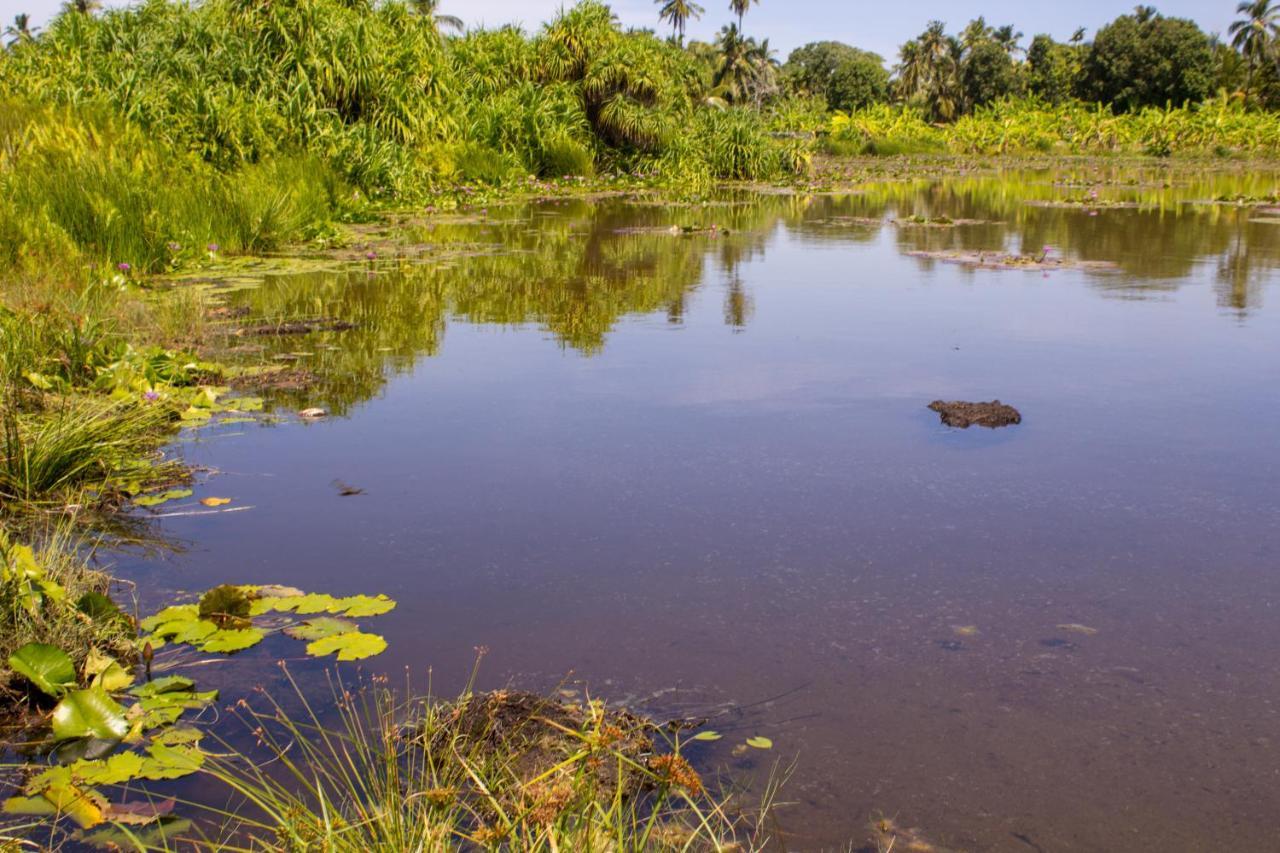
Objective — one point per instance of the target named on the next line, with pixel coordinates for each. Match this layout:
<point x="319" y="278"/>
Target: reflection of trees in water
<point x="1156" y="246"/>
<point x="577" y="268"/>
<point x="575" y="273"/>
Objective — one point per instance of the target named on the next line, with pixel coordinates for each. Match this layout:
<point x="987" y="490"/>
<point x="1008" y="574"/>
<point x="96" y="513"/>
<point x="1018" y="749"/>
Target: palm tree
<point x="21" y="31"/>
<point x="1255" y="34"/>
<point x="1078" y="36"/>
<point x="930" y="68"/>
<point x="739" y="8"/>
<point x="1007" y="37"/>
<point x="735" y="71"/>
<point x="678" y="12"/>
<point x="82" y="7"/>
<point x="427" y="9"/>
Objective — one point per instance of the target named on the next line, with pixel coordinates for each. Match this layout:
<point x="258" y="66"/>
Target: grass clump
<point x="498" y="771"/>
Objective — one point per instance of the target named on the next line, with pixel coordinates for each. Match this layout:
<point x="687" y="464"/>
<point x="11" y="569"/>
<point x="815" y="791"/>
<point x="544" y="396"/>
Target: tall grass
<point x="53" y="457"/>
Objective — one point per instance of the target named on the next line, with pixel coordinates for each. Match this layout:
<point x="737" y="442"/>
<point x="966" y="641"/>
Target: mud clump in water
<point x="962" y="415"/>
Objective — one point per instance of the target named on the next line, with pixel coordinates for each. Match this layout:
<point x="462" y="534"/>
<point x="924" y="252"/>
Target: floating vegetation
<point x="1086" y="203"/>
<point x="229" y="619"/>
<point x="1044" y="262"/>
<point x="1077" y="628"/>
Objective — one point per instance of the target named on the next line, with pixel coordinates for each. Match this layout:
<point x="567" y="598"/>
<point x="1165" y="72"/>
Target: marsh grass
<point x="64" y="557"/>
<point x="73" y="452"/>
<point x="489" y="771"/>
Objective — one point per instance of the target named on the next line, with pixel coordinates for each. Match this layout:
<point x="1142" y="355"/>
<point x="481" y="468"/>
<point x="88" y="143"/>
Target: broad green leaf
<point x="81" y="805"/>
<point x="89" y="713"/>
<point x="99" y="607"/>
<point x="232" y="640"/>
<point x="317" y="603"/>
<point x="187" y="631"/>
<point x="179" y="613"/>
<point x="364" y="605"/>
<point x="115" y="770"/>
<point x="179" y="736"/>
<point x="168" y="684"/>
<point x="354" y="645"/>
<point x="34" y="806"/>
<point x="49" y="668"/>
<point x="707" y="736"/>
<point x="321" y="627"/>
<point x="171" y="762"/>
<point x="759" y="742"/>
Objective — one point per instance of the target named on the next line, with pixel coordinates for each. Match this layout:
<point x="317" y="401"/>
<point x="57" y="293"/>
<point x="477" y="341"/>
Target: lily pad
<point x="364" y="605"/>
<point x="319" y="628"/>
<point x="177" y="613"/>
<point x="232" y="640"/>
<point x="89" y="713"/>
<point x="708" y="736"/>
<point x="759" y="742"/>
<point x="354" y="645"/>
<point x="49" y="668"/>
<point x="168" y="684"/>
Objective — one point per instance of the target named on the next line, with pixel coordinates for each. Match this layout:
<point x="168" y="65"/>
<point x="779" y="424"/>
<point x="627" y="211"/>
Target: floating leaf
<point x="318" y="629"/>
<point x="178" y="613"/>
<point x="226" y="605"/>
<point x="277" y="591"/>
<point x="168" y="684"/>
<point x="89" y="713"/>
<point x="244" y="404"/>
<point x="1077" y="628"/>
<point x="232" y="640"/>
<point x="191" y="631"/>
<point x="215" y="501"/>
<point x="708" y="736"/>
<point x="119" y="768"/>
<point x="49" y="668"/>
<point x="171" y="762"/>
<point x="162" y="497"/>
<point x="759" y="742"/>
<point x="363" y="605"/>
<point x="354" y="645"/>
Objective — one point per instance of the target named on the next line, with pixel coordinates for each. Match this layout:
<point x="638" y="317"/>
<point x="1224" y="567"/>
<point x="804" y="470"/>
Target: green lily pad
<point x="364" y="605"/>
<point x="178" y="613"/>
<point x="708" y="736"/>
<point x="49" y="668"/>
<point x="232" y="640"/>
<point x="354" y="645"/>
<point x="168" y="684"/>
<point x="170" y="762"/>
<point x="321" y="627"/>
<point x="759" y="742"/>
<point x="89" y="713"/>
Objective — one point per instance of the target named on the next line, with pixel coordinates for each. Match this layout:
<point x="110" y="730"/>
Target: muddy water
<point x="698" y="474"/>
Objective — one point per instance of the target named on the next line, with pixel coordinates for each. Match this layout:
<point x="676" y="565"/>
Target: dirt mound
<point x="963" y="415"/>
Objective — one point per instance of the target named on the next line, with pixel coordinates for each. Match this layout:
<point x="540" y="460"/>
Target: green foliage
<point x="848" y="78"/>
<point x="1021" y="126"/>
<point x="1148" y="60"/>
<point x="1052" y="69"/>
<point x="47" y="667"/>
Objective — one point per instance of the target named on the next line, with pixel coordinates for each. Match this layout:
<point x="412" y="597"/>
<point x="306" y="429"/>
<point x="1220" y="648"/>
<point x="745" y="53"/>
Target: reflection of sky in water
<point x="669" y="462"/>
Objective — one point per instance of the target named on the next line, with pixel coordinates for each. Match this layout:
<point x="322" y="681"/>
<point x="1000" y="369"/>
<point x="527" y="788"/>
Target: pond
<point x="694" y="471"/>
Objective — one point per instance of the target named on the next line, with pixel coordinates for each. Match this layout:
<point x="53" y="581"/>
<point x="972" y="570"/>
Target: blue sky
<point x="794" y="22"/>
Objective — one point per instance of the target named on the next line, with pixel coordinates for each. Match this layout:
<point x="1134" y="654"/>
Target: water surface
<point x="697" y="473"/>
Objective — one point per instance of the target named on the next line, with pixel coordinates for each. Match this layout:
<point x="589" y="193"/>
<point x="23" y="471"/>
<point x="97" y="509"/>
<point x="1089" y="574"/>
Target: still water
<point x="697" y="473"/>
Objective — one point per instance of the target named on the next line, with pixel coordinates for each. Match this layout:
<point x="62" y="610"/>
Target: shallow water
<point x="697" y="473"/>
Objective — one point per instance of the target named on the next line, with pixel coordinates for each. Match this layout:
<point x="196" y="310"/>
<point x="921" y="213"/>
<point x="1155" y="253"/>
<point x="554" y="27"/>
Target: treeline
<point x="1143" y="59"/>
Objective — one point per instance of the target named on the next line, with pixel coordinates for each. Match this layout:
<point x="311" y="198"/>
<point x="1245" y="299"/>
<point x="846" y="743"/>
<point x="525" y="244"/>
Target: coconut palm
<point x="82" y="7"/>
<point x="1254" y="35"/>
<point x="21" y="31"/>
<point x="735" y="71"/>
<point x="930" y="69"/>
<point x="1007" y="37"/>
<point x="678" y="12"/>
<point x="427" y="9"/>
<point x="739" y="8"/>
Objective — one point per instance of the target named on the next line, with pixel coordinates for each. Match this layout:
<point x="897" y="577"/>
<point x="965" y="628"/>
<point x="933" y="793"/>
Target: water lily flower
<point x="371" y="255"/>
<point x="151" y="396"/>
<point x="212" y="247"/>
<point x="123" y="267"/>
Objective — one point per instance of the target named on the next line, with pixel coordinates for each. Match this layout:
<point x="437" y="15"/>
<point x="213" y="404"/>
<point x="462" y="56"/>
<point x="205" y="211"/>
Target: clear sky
<point x="790" y="23"/>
